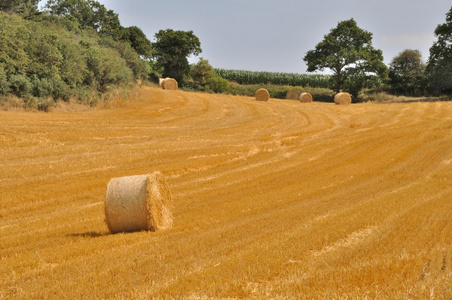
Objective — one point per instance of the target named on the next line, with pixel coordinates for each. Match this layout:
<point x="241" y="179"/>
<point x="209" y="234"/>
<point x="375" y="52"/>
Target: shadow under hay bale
<point x="262" y="95"/>
<point x="169" y="84"/>
<point x="292" y="94"/>
<point x="305" y="98"/>
<point x="342" y="98"/>
<point x="139" y="202"/>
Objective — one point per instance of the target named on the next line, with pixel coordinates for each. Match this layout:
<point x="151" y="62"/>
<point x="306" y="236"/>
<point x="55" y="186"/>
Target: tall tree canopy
<point x="138" y="41"/>
<point x="407" y="72"/>
<point x="439" y="65"/>
<point x="171" y="51"/>
<point x="26" y="8"/>
<point x="88" y="13"/>
<point x="92" y="14"/>
<point x="347" y="50"/>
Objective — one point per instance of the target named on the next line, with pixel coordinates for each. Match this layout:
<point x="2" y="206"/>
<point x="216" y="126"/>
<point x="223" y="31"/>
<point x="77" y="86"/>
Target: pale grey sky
<point x="270" y="35"/>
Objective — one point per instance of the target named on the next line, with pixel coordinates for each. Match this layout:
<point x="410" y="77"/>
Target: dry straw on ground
<point x="262" y="95"/>
<point x="139" y="202"/>
<point x="342" y="98"/>
<point x="169" y="84"/>
<point x="292" y="94"/>
<point x="305" y="98"/>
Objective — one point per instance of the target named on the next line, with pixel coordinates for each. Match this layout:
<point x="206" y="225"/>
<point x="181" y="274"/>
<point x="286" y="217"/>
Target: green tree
<point x="347" y="51"/>
<point x="105" y="67"/>
<point x="17" y="6"/>
<point x="138" y="41"/>
<point x="138" y="66"/>
<point x="171" y="51"/>
<point x="89" y="14"/>
<point x="92" y="14"/>
<point x="203" y="74"/>
<point x="439" y="67"/>
<point x="406" y="72"/>
<point x="14" y="35"/>
<point x="28" y="9"/>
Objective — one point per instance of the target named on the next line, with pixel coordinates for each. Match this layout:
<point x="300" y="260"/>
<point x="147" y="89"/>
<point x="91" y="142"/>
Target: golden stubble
<point x="272" y="199"/>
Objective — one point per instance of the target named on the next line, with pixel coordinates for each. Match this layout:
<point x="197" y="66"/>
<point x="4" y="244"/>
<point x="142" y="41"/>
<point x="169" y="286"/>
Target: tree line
<point x="348" y="52"/>
<point x="77" y="48"/>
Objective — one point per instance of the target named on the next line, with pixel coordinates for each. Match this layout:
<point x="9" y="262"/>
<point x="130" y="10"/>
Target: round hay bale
<point x="292" y="94"/>
<point x="139" y="202"/>
<point x="169" y="84"/>
<point x="262" y="95"/>
<point x="342" y="98"/>
<point x="305" y="98"/>
<point x="161" y="82"/>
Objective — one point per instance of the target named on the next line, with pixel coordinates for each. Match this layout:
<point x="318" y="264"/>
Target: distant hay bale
<point x="262" y="95"/>
<point x="139" y="202"/>
<point x="292" y="94"/>
<point x="305" y="98"/>
<point x="169" y="84"/>
<point x="342" y="98"/>
<point x="161" y="82"/>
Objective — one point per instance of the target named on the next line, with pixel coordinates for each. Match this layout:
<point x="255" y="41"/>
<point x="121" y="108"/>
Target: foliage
<point x="439" y="67"/>
<point x="347" y="50"/>
<point x="105" y="67"/>
<point x="203" y="74"/>
<point x="88" y="13"/>
<point x="26" y="8"/>
<point x="139" y="67"/>
<point x="171" y="51"/>
<point x="276" y="78"/>
<point x="138" y="41"/>
<point x="217" y="84"/>
<point x="45" y="60"/>
<point x="155" y="71"/>
<point x="91" y="14"/>
<point x="407" y="73"/>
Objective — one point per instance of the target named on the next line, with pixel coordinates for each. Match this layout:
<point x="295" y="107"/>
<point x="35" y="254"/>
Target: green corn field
<point x="276" y="78"/>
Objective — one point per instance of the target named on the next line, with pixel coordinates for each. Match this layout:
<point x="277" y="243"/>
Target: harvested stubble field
<point x="272" y="200"/>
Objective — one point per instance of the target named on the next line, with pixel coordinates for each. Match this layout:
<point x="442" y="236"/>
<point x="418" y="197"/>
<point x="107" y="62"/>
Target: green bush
<point x="54" y="59"/>
<point x="20" y="85"/>
<point x="218" y="84"/>
<point x="4" y="85"/>
<point x="42" y="88"/>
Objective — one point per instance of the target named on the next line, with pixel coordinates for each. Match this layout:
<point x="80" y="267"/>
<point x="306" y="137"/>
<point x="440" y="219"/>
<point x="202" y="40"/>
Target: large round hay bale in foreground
<point x="292" y="95"/>
<point x="262" y="95"/>
<point x="305" y="98"/>
<point x="169" y="84"/>
<point x="342" y="98"/>
<point x="139" y="202"/>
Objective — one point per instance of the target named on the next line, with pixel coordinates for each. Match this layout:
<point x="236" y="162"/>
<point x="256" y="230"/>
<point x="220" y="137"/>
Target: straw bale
<point x="305" y="97"/>
<point x="169" y="84"/>
<point x="138" y="202"/>
<point x="292" y="94"/>
<point x="342" y="98"/>
<point x="262" y="95"/>
<point x="161" y="82"/>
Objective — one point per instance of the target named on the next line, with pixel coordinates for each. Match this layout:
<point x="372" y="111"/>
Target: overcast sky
<point x="270" y="35"/>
